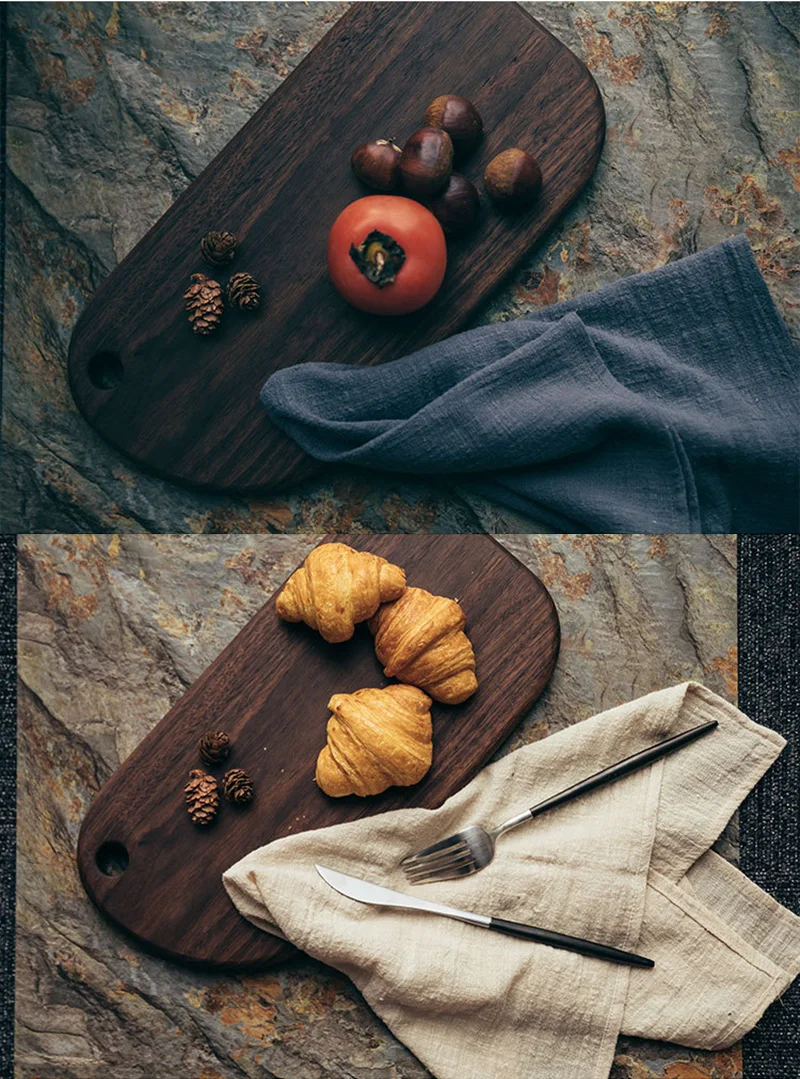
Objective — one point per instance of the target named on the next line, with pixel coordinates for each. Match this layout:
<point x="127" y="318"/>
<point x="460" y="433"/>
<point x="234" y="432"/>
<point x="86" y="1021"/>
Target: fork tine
<point x="446" y="873"/>
<point x="462" y="860"/>
<point x="455" y="874"/>
<point x="415" y="860"/>
<point x="443" y="844"/>
<point x="432" y="864"/>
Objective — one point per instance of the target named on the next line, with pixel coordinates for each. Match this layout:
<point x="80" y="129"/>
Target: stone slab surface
<point x="114" y="108"/>
<point x="112" y="632"/>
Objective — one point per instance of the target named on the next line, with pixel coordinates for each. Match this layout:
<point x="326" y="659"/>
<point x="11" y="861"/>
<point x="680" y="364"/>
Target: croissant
<point x="420" y="639"/>
<point x="377" y="738"/>
<point x="336" y="587"/>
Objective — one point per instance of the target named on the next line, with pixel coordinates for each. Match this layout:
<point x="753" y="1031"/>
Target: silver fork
<point x="470" y="850"/>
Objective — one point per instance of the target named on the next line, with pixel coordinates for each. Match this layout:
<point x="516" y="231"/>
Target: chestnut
<point x="426" y="162"/>
<point x="459" y="118"/>
<point x="376" y="164"/>
<point x="513" y="179"/>
<point x="456" y="207"/>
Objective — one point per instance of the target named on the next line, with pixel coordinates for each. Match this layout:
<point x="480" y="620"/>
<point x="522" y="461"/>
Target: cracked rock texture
<point x="114" y="629"/>
<point x="114" y="108"/>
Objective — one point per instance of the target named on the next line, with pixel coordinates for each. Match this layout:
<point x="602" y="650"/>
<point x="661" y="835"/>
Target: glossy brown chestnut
<point x="426" y="162"/>
<point x="376" y="164"/>
<point x="459" y="118"/>
<point x="456" y="207"/>
<point x="513" y="179"/>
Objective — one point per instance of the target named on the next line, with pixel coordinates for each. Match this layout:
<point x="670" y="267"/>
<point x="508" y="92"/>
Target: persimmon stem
<point x="379" y="257"/>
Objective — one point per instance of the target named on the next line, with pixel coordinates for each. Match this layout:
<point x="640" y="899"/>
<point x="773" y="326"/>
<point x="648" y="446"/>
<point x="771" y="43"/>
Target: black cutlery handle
<point x="570" y="944"/>
<point x="624" y="767"/>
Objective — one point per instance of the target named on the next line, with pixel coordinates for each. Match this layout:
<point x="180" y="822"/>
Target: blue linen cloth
<point x="665" y="402"/>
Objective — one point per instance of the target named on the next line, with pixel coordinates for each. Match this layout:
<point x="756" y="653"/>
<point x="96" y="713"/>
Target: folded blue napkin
<point x="665" y="402"/>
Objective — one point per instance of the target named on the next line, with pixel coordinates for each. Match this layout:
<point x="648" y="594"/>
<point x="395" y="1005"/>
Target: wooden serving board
<point x="187" y="407"/>
<point x="269" y="689"/>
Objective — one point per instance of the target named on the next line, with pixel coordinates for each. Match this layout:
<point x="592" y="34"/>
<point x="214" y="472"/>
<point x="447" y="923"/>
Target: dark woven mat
<point x="769" y="692"/>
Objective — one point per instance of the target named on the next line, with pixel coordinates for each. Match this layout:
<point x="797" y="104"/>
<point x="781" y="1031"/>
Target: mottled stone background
<point x="114" y="108"/>
<point x="112" y="632"/>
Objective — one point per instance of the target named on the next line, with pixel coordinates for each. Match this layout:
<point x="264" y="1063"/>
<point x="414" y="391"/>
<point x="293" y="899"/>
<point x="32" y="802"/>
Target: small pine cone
<point x="204" y="304"/>
<point x="217" y="248"/>
<point x="202" y="797"/>
<point x="244" y="292"/>
<point x="214" y="746"/>
<point x="237" y="786"/>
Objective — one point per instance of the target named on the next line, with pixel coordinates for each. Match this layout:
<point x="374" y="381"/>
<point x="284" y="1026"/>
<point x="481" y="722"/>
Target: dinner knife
<point x="365" y="892"/>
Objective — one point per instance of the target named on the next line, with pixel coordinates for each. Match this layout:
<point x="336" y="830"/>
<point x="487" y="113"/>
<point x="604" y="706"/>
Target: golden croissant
<point x="377" y="738"/>
<point x="336" y="587"/>
<point x="420" y="639"/>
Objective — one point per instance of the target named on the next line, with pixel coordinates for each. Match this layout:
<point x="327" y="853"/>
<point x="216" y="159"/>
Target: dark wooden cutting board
<point x="187" y="407"/>
<point x="269" y="689"/>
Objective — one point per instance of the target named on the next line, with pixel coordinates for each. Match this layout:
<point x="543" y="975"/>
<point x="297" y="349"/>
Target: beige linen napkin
<point x="628" y="865"/>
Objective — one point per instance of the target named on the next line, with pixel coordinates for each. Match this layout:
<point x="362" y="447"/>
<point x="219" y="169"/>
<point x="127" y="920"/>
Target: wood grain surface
<point x="186" y="407"/>
<point x="269" y="689"/>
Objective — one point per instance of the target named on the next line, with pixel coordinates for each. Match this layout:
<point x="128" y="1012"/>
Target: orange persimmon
<point x="387" y="254"/>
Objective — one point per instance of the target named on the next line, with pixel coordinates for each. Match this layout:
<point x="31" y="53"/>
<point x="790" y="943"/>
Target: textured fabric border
<point x="769" y="692"/>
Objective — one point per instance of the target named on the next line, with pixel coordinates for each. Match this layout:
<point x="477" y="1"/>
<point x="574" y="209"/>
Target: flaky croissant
<point x="336" y="587"/>
<point x="420" y="640"/>
<point x="377" y="738"/>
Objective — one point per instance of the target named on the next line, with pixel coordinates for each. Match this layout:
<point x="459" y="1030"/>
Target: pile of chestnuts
<point x="423" y="168"/>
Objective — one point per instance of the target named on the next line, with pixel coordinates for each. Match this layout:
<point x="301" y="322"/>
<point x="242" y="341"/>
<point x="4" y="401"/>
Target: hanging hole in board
<point x="112" y="859"/>
<point x="105" y="370"/>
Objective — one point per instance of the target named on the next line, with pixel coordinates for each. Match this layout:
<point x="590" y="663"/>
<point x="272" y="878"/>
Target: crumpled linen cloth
<point x="668" y="401"/>
<point x="628" y="865"/>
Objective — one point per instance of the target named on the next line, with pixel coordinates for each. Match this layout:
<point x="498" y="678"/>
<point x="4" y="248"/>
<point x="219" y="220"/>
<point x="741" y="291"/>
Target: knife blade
<point x="363" y="891"/>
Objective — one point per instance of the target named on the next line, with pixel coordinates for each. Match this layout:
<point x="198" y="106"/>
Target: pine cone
<point x="204" y="304"/>
<point x="214" y="746"/>
<point x="218" y="248"/>
<point x="202" y="797"/>
<point x="244" y="292"/>
<point x="237" y="786"/>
